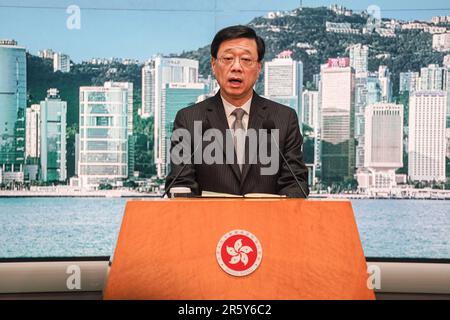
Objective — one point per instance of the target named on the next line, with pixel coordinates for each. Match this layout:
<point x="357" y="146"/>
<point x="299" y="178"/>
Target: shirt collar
<point x="229" y="108"/>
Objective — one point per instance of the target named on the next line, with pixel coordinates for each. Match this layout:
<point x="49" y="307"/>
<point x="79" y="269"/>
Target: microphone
<point x="205" y="126"/>
<point x="269" y="125"/>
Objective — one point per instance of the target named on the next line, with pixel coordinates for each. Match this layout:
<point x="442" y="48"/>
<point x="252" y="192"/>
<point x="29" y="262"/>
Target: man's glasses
<point x="243" y="61"/>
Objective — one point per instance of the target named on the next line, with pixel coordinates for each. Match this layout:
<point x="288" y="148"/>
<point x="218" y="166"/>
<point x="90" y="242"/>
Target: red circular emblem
<point x="239" y="253"/>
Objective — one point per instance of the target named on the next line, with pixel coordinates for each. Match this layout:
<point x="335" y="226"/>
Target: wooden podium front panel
<point x="166" y="250"/>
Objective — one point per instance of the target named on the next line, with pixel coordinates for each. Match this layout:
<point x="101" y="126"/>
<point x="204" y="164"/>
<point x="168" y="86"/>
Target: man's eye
<point x="228" y="58"/>
<point x="246" y="59"/>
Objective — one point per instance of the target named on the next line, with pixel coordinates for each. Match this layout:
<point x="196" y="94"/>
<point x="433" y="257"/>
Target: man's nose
<point x="236" y="65"/>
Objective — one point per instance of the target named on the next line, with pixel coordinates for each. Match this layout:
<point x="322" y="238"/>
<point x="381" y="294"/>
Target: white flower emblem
<point x="239" y="253"/>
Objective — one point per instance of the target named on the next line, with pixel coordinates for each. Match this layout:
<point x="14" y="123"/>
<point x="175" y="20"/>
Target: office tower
<point x="359" y="57"/>
<point x="311" y="108"/>
<point x="176" y="96"/>
<point x="13" y="89"/>
<point x="283" y="81"/>
<point x="447" y="88"/>
<point x="33" y="132"/>
<point x="160" y="71"/>
<point x="53" y="126"/>
<point x="426" y="144"/>
<point x="384" y="75"/>
<point x="61" y="62"/>
<point x="409" y="81"/>
<point x="103" y="137"/>
<point x="337" y="120"/>
<point x="131" y="139"/>
<point x="383" y="144"/>
<point x="432" y="78"/>
<point x="367" y="91"/>
<point x="316" y="81"/>
<point x="129" y="87"/>
<point x="148" y="91"/>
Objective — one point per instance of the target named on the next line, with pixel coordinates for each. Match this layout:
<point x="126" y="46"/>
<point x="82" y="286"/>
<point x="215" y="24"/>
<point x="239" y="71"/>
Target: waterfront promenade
<point x="58" y="192"/>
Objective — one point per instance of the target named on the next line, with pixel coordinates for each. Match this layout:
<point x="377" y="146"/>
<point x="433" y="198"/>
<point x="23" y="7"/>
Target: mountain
<point x="304" y="29"/>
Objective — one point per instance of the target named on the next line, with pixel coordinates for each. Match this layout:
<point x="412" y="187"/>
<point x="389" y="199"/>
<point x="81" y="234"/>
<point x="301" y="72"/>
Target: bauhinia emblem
<point x="239" y="253"/>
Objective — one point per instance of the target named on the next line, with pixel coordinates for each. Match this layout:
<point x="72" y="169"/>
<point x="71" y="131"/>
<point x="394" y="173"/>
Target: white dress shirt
<point x="229" y="108"/>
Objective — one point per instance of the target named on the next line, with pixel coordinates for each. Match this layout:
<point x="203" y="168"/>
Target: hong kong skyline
<point x="140" y="29"/>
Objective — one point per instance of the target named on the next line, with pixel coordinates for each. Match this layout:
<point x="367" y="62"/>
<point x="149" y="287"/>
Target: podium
<point x="167" y="249"/>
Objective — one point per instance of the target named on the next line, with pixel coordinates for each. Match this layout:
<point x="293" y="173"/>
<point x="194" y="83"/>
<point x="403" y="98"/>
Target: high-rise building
<point x="33" y="132"/>
<point x="61" y="62"/>
<point x="337" y="120"/>
<point x="447" y="88"/>
<point x="367" y="91"/>
<point x="441" y="42"/>
<point x="383" y="144"/>
<point x="384" y="76"/>
<point x="432" y="78"/>
<point x="53" y="126"/>
<point x="13" y="88"/>
<point x="283" y="81"/>
<point x="409" y="81"/>
<point x="311" y="108"/>
<point x="103" y="137"/>
<point x="426" y="140"/>
<point x="46" y="54"/>
<point x="148" y="90"/>
<point x="176" y="96"/>
<point x="359" y="57"/>
<point x="131" y="140"/>
<point x="158" y="72"/>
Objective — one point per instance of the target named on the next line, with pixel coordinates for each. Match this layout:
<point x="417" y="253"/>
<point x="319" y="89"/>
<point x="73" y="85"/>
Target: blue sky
<point x="164" y="26"/>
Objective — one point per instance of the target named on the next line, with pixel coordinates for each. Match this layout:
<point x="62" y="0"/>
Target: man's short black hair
<point x="236" y="32"/>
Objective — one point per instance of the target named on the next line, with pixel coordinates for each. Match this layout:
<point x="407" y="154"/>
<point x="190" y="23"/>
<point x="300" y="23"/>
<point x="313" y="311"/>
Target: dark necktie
<point x="239" y="136"/>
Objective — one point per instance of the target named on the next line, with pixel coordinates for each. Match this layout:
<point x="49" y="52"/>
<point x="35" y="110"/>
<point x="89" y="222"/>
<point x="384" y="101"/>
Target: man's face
<point x="237" y="69"/>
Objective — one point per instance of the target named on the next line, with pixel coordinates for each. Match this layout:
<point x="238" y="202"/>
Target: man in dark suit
<point x="236" y="60"/>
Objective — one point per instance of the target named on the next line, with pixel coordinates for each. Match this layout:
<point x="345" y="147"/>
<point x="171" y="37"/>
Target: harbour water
<point x="80" y="227"/>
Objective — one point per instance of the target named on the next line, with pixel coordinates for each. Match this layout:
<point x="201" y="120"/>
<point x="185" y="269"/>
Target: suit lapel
<point x="218" y="120"/>
<point x="258" y="113"/>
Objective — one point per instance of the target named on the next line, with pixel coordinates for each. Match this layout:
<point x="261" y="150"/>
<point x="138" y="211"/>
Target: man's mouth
<point x="235" y="81"/>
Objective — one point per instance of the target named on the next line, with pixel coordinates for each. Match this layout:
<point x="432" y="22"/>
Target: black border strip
<point x="408" y="260"/>
<point x="107" y="258"/>
<point x="55" y="259"/>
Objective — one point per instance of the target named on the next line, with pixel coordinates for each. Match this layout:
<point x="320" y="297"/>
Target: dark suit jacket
<point x="227" y="178"/>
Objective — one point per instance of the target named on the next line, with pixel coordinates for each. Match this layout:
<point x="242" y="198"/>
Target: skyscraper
<point x="384" y="76"/>
<point x="13" y="88"/>
<point x="383" y="143"/>
<point x="359" y="57"/>
<point x="311" y="108"/>
<point x="53" y="137"/>
<point x="158" y="72"/>
<point x="176" y="96"/>
<point x="409" y="81"/>
<point x="367" y="91"/>
<point x="61" y="62"/>
<point x="283" y="81"/>
<point x="103" y="138"/>
<point x="33" y="132"/>
<point x="337" y="120"/>
<point x="426" y="144"/>
<point x="148" y="91"/>
<point x="432" y="78"/>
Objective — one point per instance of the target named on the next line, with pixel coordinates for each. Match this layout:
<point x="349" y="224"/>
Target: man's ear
<point x="213" y="65"/>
